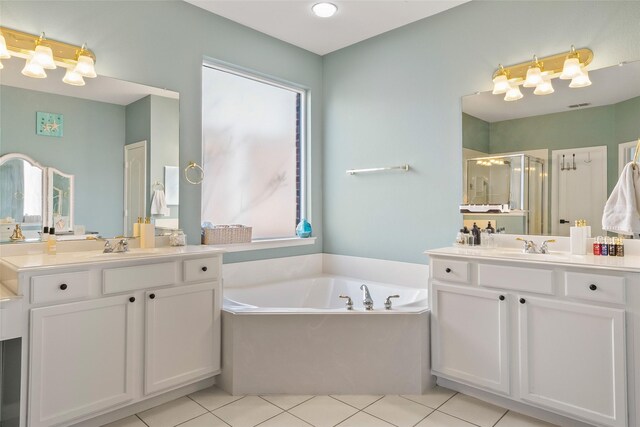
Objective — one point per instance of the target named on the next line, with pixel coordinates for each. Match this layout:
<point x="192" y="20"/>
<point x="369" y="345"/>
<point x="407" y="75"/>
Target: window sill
<point x="257" y="245"/>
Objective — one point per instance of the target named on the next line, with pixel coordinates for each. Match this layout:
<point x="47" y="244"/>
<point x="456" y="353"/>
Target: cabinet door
<point x="470" y="336"/>
<point x="182" y="340"/>
<point x="80" y="359"/>
<point x="572" y="359"/>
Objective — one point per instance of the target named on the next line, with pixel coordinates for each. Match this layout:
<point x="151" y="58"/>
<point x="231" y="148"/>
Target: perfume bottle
<point x="303" y="229"/>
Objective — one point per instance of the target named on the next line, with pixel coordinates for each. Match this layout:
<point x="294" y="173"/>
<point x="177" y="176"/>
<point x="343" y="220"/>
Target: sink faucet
<point x="107" y="247"/>
<point x="367" y="301"/>
<point x="543" y="248"/>
<point x="122" y="245"/>
<point x="531" y="248"/>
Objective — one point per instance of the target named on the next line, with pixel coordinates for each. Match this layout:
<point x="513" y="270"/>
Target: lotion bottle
<point x="52" y="246"/>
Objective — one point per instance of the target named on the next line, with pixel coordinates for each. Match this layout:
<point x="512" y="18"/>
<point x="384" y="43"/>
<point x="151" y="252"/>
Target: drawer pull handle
<point x="522" y="300"/>
<point x="593" y="287"/>
<point x="63" y="286"/>
<point x="132" y="299"/>
<point x="501" y="297"/>
<point x="448" y="270"/>
<point x="152" y="296"/>
<point x="204" y="268"/>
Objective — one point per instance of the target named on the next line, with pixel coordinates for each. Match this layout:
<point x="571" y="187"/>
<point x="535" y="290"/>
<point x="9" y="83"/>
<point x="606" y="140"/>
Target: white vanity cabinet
<point x="549" y="336"/>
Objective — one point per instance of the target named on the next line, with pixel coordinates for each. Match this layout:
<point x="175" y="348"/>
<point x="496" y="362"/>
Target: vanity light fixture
<point x="41" y="53"/>
<point x="324" y="10"/>
<point x="540" y="72"/>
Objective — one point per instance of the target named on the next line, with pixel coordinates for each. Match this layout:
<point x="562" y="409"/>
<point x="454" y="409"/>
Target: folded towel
<point x="159" y="204"/>
<point x="621" y="210"/>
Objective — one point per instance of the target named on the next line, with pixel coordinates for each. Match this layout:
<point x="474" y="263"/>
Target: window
<point x="253" y="152"/>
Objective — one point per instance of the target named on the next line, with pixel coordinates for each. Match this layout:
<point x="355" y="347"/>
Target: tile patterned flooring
<point x="440" y="407"/>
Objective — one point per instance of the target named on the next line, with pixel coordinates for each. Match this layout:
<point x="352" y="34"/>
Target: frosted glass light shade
<point x="85" y="67"/>
<point x="324" y="10"/>
<point x="32" y="69"/>
<point x="571" y="69"/>
<point x="534" y="77"/>
<point x="73" y="78"/>
<point x="4" y="52"/>
<point x="43" y="56"/>
<point x="1" y="66"/>
<point x="581" y="80"/>
<point x="544" y="88"/>
<point x="500" y="85"/>
<point x="513" y="94"/>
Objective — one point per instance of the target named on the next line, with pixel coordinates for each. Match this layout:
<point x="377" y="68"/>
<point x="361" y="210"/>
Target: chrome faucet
<point x="531" y="248"/>
<point x="543" y="248"/>
<point x="387" y="303"/>
<point x="122" y="245"/>
<point x="349" y="301"/>
<point x="367" y="301"/>
<point x="107" y="247"/>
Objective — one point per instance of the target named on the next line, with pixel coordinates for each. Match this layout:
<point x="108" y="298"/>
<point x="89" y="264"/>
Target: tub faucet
<point x="122" y="245"/>
<point x="367" y="301"/>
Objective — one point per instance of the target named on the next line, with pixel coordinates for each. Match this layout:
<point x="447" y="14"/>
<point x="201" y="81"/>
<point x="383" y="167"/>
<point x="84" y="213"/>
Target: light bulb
<point x="544" y="88"/>
<point x="534" y="77"/>
<point x="324" y="10"/>
<point x="513" y="94"/>
<point x="33" y="69"/>
<point x="73" y="78"/>
<point x="581" y="80"/>
<point x="43" y="55"/>
<point x="85" y="66"/>
<point x="571" y="69"/>
<point x="4" y="52"/>
<point x="500" y="84"/>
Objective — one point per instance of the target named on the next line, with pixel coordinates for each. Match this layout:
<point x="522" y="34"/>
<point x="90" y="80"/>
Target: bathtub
<point x="297" y="337"/>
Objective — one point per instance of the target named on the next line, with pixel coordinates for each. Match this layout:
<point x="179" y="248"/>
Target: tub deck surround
<point x="142" y="324"/>
<point x="551" y="335"/>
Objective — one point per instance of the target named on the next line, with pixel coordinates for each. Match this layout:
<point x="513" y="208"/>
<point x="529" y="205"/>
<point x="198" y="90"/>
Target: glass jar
<point x="177" y="238"/>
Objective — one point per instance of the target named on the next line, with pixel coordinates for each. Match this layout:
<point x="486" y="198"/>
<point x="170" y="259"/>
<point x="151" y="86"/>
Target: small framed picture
<point x="49" y="124"/>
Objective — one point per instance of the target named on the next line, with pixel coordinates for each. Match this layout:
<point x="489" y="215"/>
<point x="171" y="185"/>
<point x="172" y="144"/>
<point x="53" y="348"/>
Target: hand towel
<point x="621" y="210"/>
<point x="159" y="204"/>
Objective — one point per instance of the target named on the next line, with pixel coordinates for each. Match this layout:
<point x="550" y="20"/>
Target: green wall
<point x="475" y="133"/>
<point x="90" y="149"/>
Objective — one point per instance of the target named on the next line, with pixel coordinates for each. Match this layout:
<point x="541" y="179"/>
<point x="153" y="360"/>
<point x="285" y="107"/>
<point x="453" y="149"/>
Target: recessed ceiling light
<point x="324" y="10"/>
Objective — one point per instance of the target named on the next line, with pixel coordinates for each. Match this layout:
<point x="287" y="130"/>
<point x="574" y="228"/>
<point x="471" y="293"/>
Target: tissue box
<point x="225" y="234"/>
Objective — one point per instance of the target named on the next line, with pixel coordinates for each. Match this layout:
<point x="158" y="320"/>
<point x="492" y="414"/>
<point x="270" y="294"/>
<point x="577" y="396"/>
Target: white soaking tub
<point x="297" y="337"/>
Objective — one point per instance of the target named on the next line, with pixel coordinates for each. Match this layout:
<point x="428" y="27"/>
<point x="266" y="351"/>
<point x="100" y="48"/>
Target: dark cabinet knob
<point x="593" y="287"/>
<point x="501" y="297"/>
<point x="152" y="296"/>
<point x="448" y="270"/>
<point x="132" y="299"/>
<point x="204" y="268"/>
<point x="63" y="286"/>
<point x="522" y="300"/>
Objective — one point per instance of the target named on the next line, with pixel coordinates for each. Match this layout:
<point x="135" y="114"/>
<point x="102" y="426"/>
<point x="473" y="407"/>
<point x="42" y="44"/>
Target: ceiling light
<point x="43" y="55"/>
<point x="513" y="94"/>
<point x="581" y="80"/>
<point x="501" y="82"/>
<point x="324" y="10"/>
<point x="534" y="74"/>
<point x="85" y="66"/>
<point x="33" y="69"/>
<point x="4" y="52"/>
<point x="544" y="88"/>
<point x="571" y="66"/>
<point x="73" y="78"/>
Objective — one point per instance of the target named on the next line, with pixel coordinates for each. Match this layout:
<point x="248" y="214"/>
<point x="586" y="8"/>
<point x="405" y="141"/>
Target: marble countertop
<point x="628" y="263"/>
<point x="67" y="259"/>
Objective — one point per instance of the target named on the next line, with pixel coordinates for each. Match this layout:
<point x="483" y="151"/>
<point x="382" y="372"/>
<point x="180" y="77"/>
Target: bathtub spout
<point x="367" y="301"/>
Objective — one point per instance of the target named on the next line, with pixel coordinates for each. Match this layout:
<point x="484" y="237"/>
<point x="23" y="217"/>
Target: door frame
<point x="555" y="167"/>
<point x="125" y="211"/>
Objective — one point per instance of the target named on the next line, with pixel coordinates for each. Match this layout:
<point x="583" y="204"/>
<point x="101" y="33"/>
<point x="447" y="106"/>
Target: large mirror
<point x="103" y="162"/>
<point x="536" y="165"/>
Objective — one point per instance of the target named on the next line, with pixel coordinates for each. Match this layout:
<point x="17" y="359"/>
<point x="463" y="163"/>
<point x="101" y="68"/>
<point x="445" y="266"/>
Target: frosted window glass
<point x="249" y="154"/>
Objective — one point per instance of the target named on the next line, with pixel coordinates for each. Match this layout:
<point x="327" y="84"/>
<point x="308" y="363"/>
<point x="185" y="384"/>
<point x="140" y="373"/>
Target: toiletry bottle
<point x="460" y="237"/>
<point x="612" y="246"/>
<point x="45" y="234"/>
<point x="476" y="233"/>
<point x="597" y="245"/>
<point x="577" y="239"/>
<point x="490" y="229"/>
<point x="136" y="227"/>
<point x="604" y="248"/>
<point x="620" y="247"/>
<point x="52" y="246"/>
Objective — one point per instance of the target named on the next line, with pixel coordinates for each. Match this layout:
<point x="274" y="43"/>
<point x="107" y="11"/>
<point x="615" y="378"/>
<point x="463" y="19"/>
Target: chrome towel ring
<point x="196" y="167"/>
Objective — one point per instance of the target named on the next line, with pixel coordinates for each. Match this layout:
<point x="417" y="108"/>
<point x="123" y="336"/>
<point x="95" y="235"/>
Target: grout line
<point x="279" y="413"/>
<point x="355" y="407"/>
<point x="190" y="419"/>
<point x="503" y="415"/>
<point x="295" y="416"/>
<point x="217" y="417"/>
<point x="381" y="419"/>
<point x="297" y="404"/>
<point x="141" y="420"/>
<point x="197" y="403"/>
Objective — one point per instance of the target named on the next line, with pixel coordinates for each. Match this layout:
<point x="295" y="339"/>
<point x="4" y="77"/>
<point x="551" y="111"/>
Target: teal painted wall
<point x="90" y="149"/>
<point x="396" y="98"/>
<point x="162" y="44"/>
<point x="475" y="133"/>
<point x="627" y="120"/>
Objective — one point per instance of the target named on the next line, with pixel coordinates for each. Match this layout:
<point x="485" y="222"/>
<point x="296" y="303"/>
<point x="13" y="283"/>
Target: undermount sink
<point x="131" y="253"/>
<point x="518" y="253"/>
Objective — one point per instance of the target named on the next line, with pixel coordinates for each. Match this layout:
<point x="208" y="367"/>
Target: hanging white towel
<point x="621" y="210"/>
<point x="159" y="204"/>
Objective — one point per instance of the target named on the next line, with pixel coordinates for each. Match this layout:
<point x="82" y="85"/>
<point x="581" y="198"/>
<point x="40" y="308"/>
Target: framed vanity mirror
<point x="575" y="141"/>
<point x="78" y="177"/>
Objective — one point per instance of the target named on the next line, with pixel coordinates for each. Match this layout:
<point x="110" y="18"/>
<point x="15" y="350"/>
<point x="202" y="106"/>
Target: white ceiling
<point x="609" y="86"/>
<point x="293" y="21"/>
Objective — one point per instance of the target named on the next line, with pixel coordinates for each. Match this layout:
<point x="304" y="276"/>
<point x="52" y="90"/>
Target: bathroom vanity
<point x="101" y="331"/>
<point x="556" y="332"/>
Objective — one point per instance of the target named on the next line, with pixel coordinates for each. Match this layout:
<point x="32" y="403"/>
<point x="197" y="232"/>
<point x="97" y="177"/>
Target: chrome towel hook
<point x="196" y="167"/>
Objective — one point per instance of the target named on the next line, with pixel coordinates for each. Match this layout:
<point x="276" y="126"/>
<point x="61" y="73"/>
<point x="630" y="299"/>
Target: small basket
<point x="226" y="234"/>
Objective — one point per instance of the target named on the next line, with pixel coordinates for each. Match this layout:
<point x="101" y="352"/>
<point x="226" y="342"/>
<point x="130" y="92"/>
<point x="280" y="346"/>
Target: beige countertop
<point x="629" y="263"/>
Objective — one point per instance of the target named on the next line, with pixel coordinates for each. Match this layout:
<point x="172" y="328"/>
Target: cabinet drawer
<point x="59" y="287"/>
<point x="450" y="271"/>
<point x="594" y="287"/>
<point x="521" y="279"/>
<point x="139" y="277"/>
<point x="200" y="269"/>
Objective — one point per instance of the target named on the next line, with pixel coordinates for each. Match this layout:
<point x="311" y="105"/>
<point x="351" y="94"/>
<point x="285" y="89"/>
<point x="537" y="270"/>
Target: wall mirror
<point x="575" y="140"/>
<point x="84" y="179"/>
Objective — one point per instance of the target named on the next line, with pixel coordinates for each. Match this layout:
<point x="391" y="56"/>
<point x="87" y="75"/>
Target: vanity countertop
<point x="629" y="263"/>
<point x="67" y="259"/>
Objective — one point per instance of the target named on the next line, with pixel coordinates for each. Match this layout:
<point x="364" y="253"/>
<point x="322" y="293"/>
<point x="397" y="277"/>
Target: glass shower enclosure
<point x="512" y="186"/>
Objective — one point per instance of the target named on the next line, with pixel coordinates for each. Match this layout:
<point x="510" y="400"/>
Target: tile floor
<point x="438" y="408"/>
